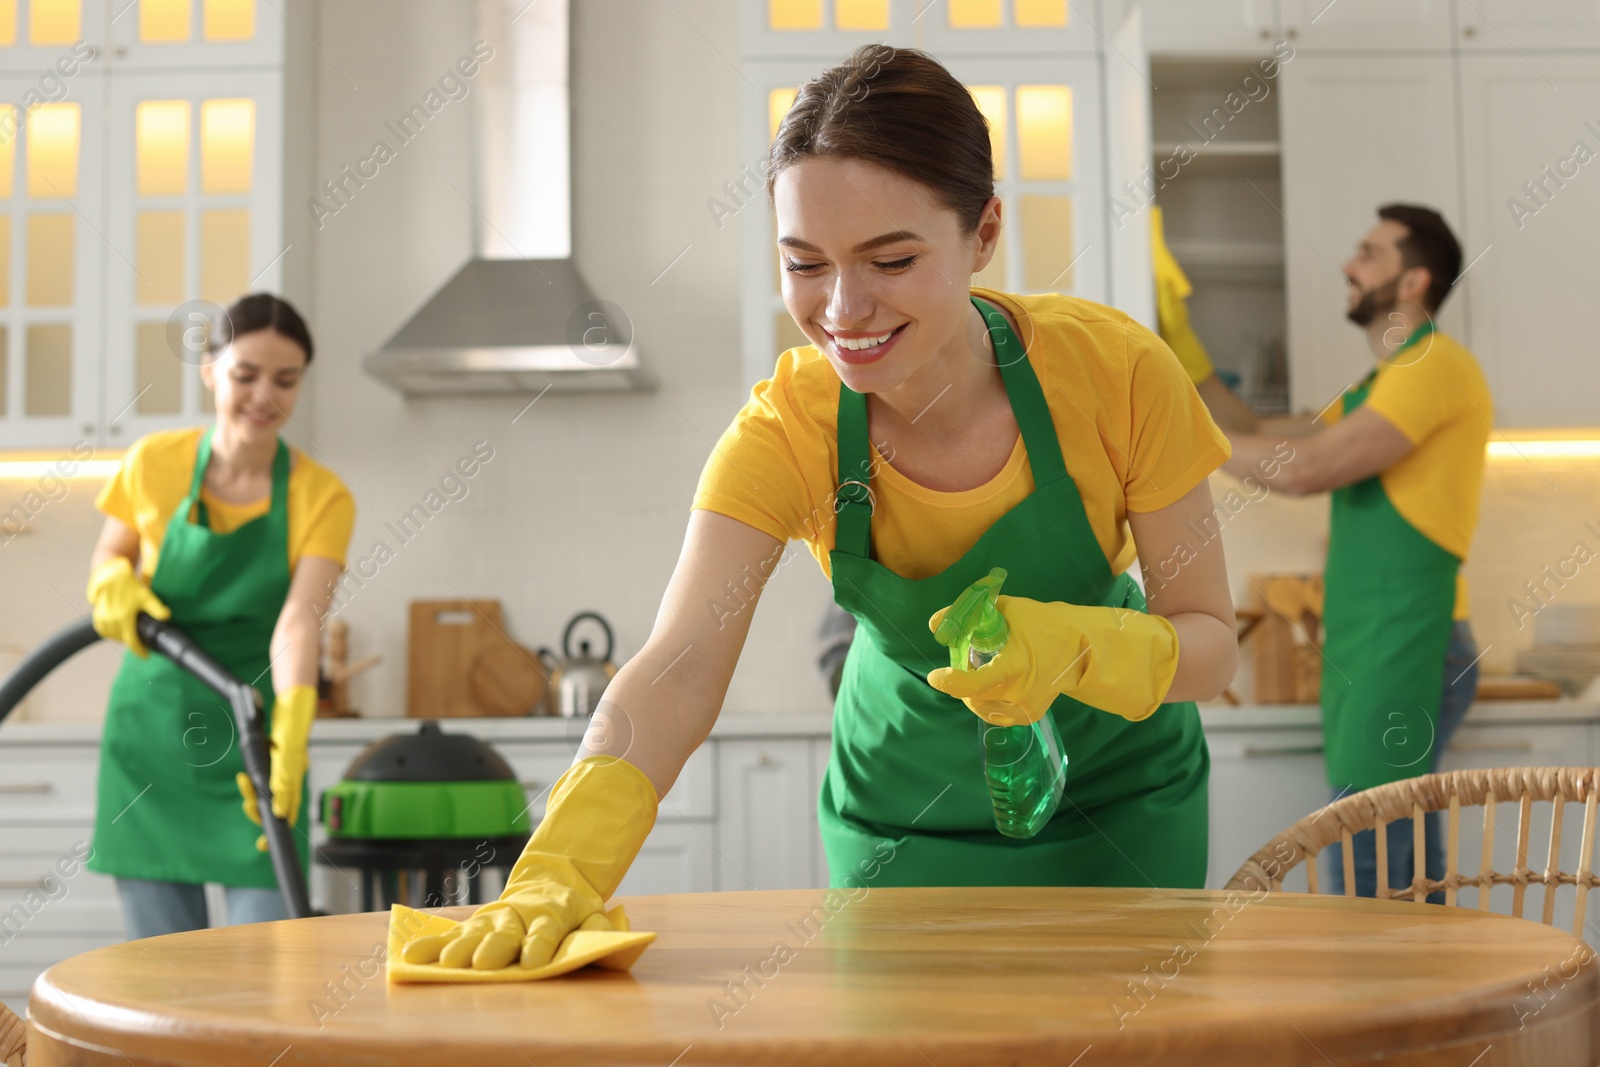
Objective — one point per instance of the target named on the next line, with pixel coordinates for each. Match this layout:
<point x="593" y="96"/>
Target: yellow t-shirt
<point x="155" y="475"/>
<point x="1133" y="431"/>
<point x="1435" y="393"/>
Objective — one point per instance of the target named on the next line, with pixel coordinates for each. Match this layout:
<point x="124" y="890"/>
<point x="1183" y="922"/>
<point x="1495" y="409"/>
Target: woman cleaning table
<point x="238" y="540"/>
<point x="929" y="433"/>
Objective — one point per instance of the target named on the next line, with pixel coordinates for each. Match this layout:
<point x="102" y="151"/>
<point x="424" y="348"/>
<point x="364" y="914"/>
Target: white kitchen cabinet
<point x="676" y="858"/>
<point x="51" y="292"/>
<point x="1008" y="27"/>
<point x="1131" y="284"/>
<point x="1519" y="26"/>
<point x="766" y="814"/>
<point x="1209" y="27"/>
<point x="1044" y="93"/>
<point x="199" y="231"/>
<point x="173" y="34"/>
<point x="133" y="191"/>
<point x="1533" y="211"/>
<point x="1339" y="167"/>
<point x="826" y="29"/>
<point x="41" y="37"/>
<point x="821" y="751"/>
<point x="1368" y="25"/>
<point x="1262" y="782"/>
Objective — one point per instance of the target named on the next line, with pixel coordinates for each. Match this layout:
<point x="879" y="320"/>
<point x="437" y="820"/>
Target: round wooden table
<point x="913" y="977"/>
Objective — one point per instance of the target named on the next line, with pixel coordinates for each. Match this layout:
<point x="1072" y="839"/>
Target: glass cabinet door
<point x="53" y="41"/>
<point x="1013" y="28"/>
<point x="1046" y="132"/>
<point x="827" y="29"/>
<point x="168" y="34"/>
<point x="53" y="236"/>
<point x="194" y="200"/>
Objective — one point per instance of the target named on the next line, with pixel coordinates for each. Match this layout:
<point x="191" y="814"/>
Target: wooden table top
<point x="914" y="977"/>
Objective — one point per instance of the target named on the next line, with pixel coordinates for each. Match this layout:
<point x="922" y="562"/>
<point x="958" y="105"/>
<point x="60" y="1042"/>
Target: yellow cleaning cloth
<point x="616" y="949"/>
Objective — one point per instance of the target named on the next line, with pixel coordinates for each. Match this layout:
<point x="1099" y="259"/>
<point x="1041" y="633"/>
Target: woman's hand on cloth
<point x="118" y="596"/>
<point x="1114" y="659"/>
<point x="292" y="712"/>
<point x="598" y="816"/>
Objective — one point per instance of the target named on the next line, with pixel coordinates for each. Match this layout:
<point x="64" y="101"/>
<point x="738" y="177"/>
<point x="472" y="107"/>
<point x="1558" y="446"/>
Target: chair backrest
<point x="1412" y="798"/>
<point x="13" y="1039"/>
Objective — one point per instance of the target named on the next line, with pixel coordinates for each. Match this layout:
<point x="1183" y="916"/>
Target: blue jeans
<point x="155" y="908"/>
<point x="1460" y="683"/>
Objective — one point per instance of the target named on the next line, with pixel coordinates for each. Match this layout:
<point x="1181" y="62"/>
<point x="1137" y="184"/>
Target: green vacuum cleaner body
<point x="426" y="785"/>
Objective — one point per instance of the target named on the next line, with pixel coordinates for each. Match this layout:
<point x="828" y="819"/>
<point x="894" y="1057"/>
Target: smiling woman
<point x="929" y="433"/>
<point x="238" y="540"/>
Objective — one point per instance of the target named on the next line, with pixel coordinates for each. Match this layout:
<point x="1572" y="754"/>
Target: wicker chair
<point x="1375" y="808"/>
<point x="13" y="1039"/>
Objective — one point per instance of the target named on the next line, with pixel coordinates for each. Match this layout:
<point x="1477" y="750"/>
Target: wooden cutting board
<point x="1517" y="689"/>
<point x="445" y="637"/>
<point x="507" y="679"/>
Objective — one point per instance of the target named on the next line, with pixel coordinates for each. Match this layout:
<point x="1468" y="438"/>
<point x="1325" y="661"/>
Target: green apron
<point x="1387" y="614"/>
<point x="168" y="808"/>
<point x="904" y="801"/>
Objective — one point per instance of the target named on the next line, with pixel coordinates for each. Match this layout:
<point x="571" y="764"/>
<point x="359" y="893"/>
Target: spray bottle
<point x="1024" y="766"/>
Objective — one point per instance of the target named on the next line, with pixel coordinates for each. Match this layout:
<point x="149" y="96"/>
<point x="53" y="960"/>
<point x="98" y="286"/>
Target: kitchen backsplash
<point x="549" y="543"/>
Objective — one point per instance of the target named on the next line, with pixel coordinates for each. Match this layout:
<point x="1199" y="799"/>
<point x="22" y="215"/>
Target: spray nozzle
<point x="973" y="622"/>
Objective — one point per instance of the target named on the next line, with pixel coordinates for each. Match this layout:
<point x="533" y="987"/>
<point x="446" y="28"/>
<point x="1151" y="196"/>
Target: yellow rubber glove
<point x="118" y="596"/>
<point x="599" y="814"/>
<point x="1114" y="659"/>
<point x="292" y="712"/>
<point x="1172" y="310"/>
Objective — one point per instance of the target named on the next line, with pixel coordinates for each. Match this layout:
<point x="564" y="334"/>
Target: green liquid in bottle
<point x="1025" y="767"/>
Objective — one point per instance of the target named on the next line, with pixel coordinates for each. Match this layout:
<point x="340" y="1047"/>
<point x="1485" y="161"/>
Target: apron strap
<point x="1356" y="395"/>
<point x="852" y="501"/>
<point x="280" y="480"/>
<point x="192" y="504"/>
<point x="853" y="498"/>
<point x="202" y="459"/>
<point x="1028" y="404"/>
<point x="278" y="508"/>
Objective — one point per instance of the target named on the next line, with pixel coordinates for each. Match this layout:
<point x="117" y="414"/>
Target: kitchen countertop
<point x="733" y="726"/>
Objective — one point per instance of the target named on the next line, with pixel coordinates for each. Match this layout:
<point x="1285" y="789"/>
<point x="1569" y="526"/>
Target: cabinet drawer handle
<point x="1490" y="746"/>
<point x="1255" y="752"/>
<point x="26" y="787"/>
<point x="24" y="883"/>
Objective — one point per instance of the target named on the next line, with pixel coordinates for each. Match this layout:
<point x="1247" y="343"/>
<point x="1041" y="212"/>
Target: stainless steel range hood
<point x="517" y="318"/>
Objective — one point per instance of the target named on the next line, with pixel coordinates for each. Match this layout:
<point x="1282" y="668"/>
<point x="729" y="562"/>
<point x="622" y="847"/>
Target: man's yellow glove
<point x="599" y="814"/>
<point x="1114" y="659"/>
<point x="292" y="712"/>
<point x="118" y="596"/>
<point x="1172" y="309"/>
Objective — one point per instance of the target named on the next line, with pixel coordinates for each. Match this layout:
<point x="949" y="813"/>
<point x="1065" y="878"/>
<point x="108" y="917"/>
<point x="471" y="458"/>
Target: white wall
<point x="584" y="504"/>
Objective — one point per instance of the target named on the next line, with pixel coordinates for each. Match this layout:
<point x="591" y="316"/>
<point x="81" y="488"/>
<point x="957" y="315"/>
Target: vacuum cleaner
<point x="414" y="808"/>
<point x="248" y="720"/>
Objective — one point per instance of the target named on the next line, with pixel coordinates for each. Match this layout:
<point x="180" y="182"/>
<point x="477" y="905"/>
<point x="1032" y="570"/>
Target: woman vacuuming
<point x="238" y="540"/>
<point x="929" y="433"/>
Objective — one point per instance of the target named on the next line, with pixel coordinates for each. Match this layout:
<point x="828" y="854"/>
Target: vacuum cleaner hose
<point x="245" y="702"/>
<point x="42" y="660"/>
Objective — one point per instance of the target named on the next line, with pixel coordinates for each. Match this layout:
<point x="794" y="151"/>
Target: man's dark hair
<point x="1428" y="243"/>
